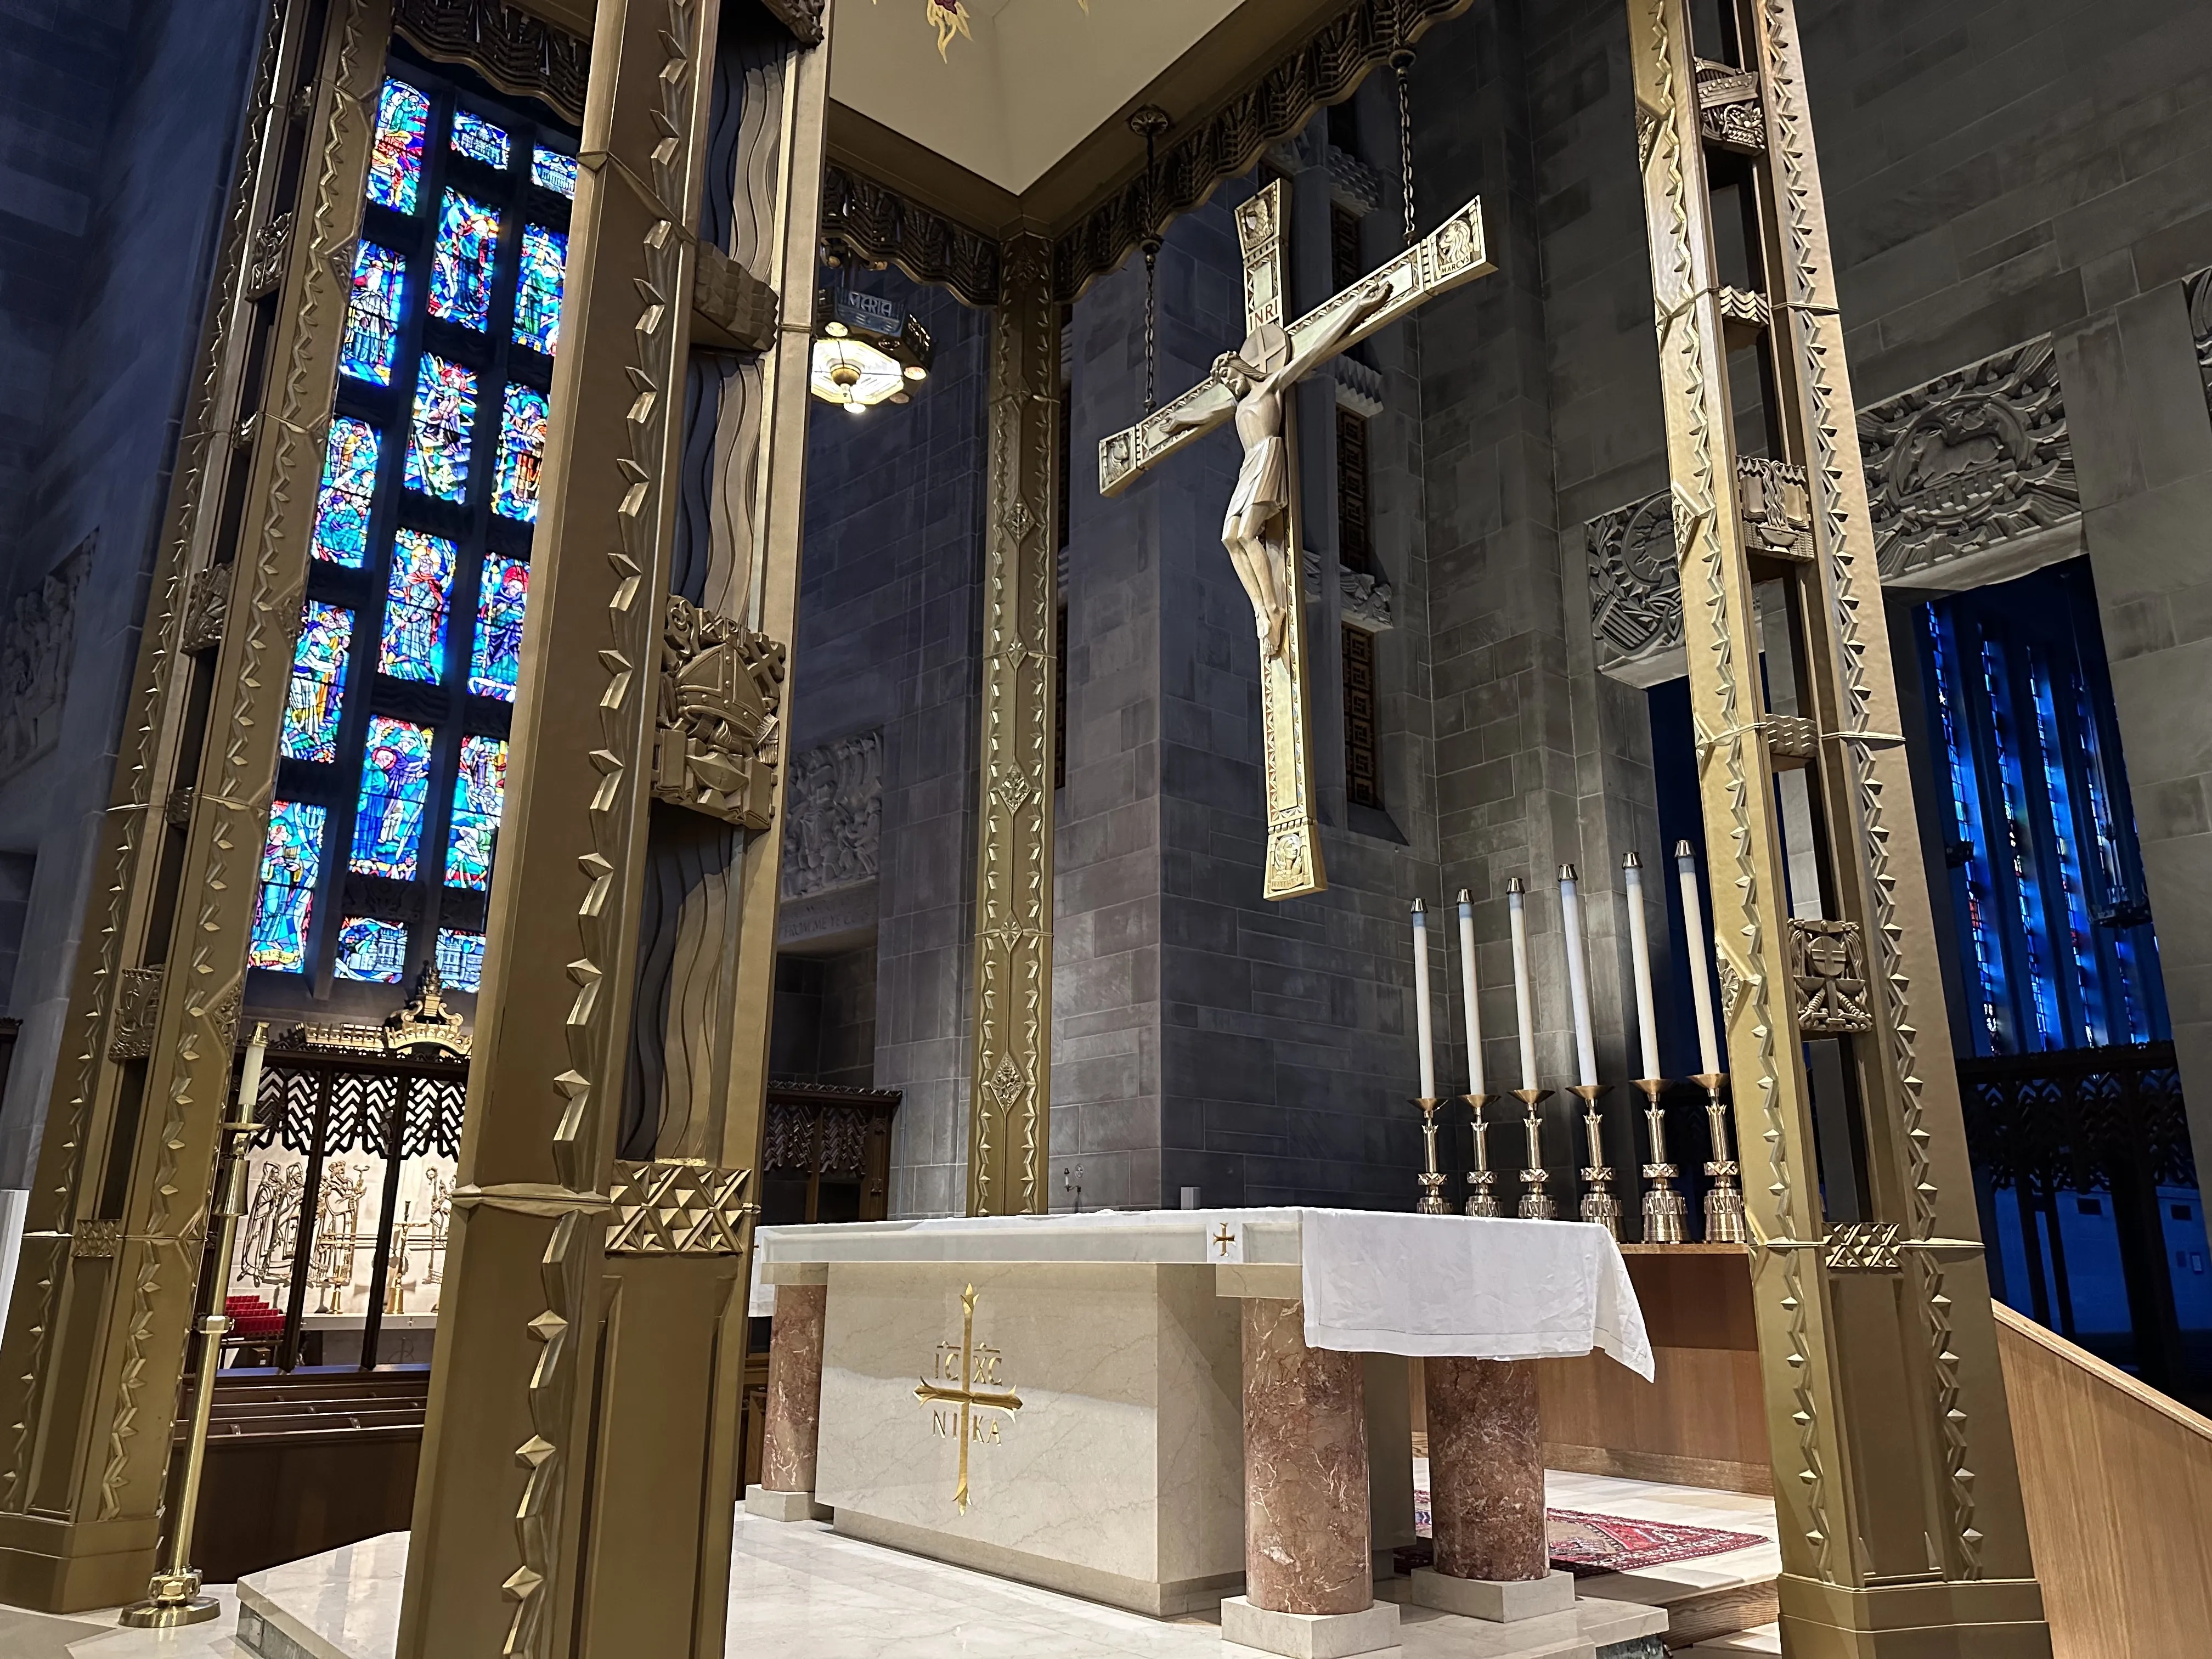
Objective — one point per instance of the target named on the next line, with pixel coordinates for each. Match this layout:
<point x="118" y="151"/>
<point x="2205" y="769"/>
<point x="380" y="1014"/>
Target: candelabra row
<point x="1664" y="1209"/>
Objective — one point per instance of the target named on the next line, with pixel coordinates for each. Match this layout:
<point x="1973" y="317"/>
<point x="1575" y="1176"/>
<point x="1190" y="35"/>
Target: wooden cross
<point x="969" y="1396"/>
<point x="1263" y="539"/>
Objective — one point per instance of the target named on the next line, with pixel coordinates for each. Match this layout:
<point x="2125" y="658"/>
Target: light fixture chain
<point x="1150" y="121"/>
<point x="1401" y="61"/>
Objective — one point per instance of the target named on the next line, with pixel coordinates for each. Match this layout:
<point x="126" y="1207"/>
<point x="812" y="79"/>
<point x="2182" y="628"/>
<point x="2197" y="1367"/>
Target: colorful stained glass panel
<point x="312" y="704"/>
<point x="460" y="959"/>
<point x="291" y="861"/>
<point x="478" y="800"/>
<point x="438" y="441"/>
<point x="478" y="139"/>
<point x="372" y="950"/>
<point x="521" y="453"/>
<point x="550" y="170"/>
<point x="371" y="324"/>
<point x="496" y="661"/>
<point x="537" y="291"/>
<point x="349" y="485"/>
<point x="461" y="267"/>
<point x="395" y="160"/>
<point x="395" y="781"/>
<point x="417" y="597"/>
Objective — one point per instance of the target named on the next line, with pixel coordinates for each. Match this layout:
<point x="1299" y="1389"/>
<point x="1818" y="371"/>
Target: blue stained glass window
<point x="478" y="800"/>
<point x="521" y="453"/>
<point x="371" y="324"/>
<point x="478" y="139"/>
<point x="395" y="781"/>
<point x="372" y="950"/>
<point x="538" y="289"/>
<point x="349" y="486"/>
<point x="500" y="600"/>
<point x="312" y="704"/>
<point x="461" y="266"/>
<point x="418" y="595"/>
<point x="2019" y="848"/>
<point x="395" y="159"/>
<point x="438" y="441"/>
<point x="1991" y="1034"/>
<point x="550" y="170"/>
<point x="460" y="959"/>
<point x="291" y="861"/>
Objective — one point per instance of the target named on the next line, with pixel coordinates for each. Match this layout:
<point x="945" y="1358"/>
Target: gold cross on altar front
<point x="1273" y="358"/>
<point x="978" y="1366"/>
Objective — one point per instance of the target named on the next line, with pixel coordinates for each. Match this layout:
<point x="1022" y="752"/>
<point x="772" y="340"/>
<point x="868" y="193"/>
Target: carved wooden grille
<point x="1363" y="758"/>
<point x="1355" y="533"/>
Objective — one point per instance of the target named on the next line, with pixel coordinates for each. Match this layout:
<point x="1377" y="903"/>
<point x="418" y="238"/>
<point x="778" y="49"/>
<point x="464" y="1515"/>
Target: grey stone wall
<point x="117" y="131"/>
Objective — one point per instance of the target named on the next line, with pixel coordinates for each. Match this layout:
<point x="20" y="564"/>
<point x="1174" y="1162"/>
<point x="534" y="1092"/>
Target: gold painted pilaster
<point x="1895" y="1482"/>
<point x="94" y="1348"/>
<point x="1010" y="1086"/>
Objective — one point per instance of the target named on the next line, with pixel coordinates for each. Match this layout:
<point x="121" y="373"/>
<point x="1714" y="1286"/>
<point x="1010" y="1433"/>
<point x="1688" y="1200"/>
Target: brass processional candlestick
<point x="1598" y="1205"/>
<point x="1664" y="1209"/>
<point x="1537" y="1204"/>
<point x="173" y="1597"/>
<point x="1482" y="1180"/>
<point x="1724" y="1220"/>
<point x="1432" y="1178"/>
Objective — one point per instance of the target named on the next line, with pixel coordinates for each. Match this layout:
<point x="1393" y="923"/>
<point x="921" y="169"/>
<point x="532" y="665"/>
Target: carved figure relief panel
<point x="717" y="742"/>
<point x="833" y="822"/>
<point x="37" y="646"/>
<point x="1636" y="591"/>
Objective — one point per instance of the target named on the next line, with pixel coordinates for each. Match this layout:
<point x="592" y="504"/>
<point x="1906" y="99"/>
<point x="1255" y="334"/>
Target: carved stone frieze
<point x="730" y="306"/>
<point x="1777" y="507"/>
<point x="1827" y="963"/>
<point x="204" y="610"/>
<point x="877" y="224"/>
<point x="678" y="1208"/>
<point x="2199" y="293"/>
<point x="1974" y="458"/>
<point x="513" y="49"/>
<point x="1366" y="600"/>
<point x="833" y="816"/>
<point x="718" y="735"/>
<point x="137" y="1011"/>
<point x="1636" y="589"/>
<point x="271" y="243"/>
<point x="1729" y="112"/>
<point x="37" y="647"/>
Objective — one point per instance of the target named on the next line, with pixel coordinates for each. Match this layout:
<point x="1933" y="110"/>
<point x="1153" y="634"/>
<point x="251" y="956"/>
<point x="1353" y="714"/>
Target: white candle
<point x="1639" y="951"/>
<point x="249" y="1071"/>
<point x="1570" y="919"/>
<point x="1466" y="992"/>
<point x="1421" y="1001"/>
<point x="1524" y="1010"/>
<point x="1701" y="956"/>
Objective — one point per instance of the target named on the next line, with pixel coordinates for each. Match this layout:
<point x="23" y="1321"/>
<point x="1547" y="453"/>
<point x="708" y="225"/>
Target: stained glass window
<point x="497" y="660"/>
<point x="395" y="161"/>
<point x="550" y="170"/>
<point x="521" y="453"/>
<point x="318" y="671"/>
<point x="478" y="139"/>
<point x="538" y="291"/>
<point x="461" y="266"/>
<point x="477" y="803"/>
<point x="438" y="441"/>
<point x="395" y="783"/>
<point x="341" y="502"/>
<point x="372" y="325"/>
<point x="372" y="950"/>
<point x="291" y="862"/>
<point x="418" y="596"/>
<point x="460" y="959"/>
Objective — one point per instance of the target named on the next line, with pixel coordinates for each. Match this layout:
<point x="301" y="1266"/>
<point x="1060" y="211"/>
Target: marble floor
<point x="801" y="1589"/>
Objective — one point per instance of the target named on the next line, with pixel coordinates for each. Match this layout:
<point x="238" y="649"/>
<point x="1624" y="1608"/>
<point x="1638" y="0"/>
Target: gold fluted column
<point x="1010" y="1077"/>
<point x="94" y="1347"/>
<point x="580" y="1463"/>
<point x="1902" y="1531"/>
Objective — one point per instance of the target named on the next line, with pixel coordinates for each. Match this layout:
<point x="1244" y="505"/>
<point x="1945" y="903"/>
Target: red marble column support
<point x="1485" y="1469"/>
<point x="792" y="1431"/>
<point x="1305" y="1469"/>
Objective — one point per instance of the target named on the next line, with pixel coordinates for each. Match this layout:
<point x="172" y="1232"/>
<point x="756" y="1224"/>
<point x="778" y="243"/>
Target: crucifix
<point x="1260" y="532"/>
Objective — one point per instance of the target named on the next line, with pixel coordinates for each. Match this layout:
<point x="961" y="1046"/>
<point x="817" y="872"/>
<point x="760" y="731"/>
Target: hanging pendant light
<point x="865" y="352"/>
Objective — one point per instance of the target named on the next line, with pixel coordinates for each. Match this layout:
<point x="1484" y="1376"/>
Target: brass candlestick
<point x="1432" y="1178"/>
<point x="1536" y="1202"/>
<point x="1664" y="1210"/>
<point x="1724" y="1218"/>
<point x="1598" y="1205"/>
<point x="1482" y="1180"/>
<point x="173" y="1597"/>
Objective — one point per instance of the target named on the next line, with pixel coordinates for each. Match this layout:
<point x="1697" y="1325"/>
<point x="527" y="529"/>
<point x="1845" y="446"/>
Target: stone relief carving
<point x="719" y="734"/>
<point x="1366" y="600"/>
<point x="833" y="816"/>
<point x="1635" y="590"/>
<point x="36" y="650"/>
<point x="1827" y="962"/>
<point x="2199" y="290"/>
<point x="1978" y="457"/>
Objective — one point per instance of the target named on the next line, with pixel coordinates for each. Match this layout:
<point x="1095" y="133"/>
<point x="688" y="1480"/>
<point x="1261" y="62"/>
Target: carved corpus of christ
<point x="1260" y="530"/>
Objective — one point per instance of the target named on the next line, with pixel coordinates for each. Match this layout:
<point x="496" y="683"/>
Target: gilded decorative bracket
<point x="718" y="733"/>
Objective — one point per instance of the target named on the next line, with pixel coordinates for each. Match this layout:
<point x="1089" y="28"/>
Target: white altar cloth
<point x="1373" y="1281"/>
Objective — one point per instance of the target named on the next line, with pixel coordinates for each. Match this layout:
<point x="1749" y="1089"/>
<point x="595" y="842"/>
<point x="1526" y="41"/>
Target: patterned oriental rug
<point x="1583" y="1543"/>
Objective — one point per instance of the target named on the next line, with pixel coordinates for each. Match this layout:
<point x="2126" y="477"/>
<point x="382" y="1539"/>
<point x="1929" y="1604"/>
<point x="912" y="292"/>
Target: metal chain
<point x="1401" y="61"/>
<point x="1151" y="325"/>
<point x="1150" y="120"/>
